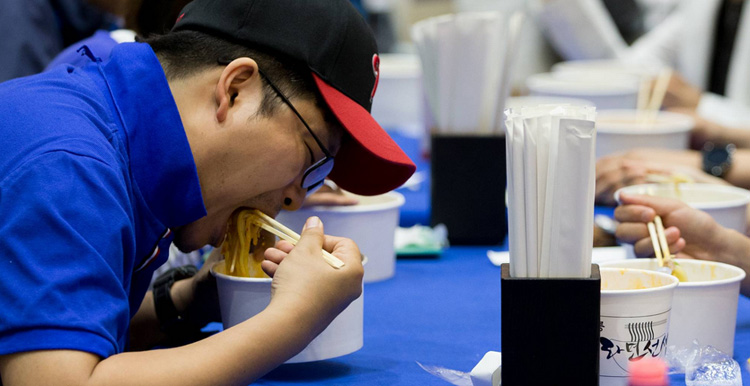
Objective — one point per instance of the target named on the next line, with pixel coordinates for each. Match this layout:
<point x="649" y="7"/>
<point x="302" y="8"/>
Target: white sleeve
<point x="580" y="29"/>
<point x="659" y="46"/>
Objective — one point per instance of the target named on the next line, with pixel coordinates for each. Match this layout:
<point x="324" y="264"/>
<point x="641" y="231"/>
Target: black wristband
<point x="170" y="320"/>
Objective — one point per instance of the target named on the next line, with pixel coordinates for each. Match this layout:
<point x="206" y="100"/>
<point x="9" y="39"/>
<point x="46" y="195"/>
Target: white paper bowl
<point x="635" y="317"/>
<point x="621" y="130"/>
<point x="620" y="92"/>
<point x="371" y="224"/>
<point x="704" y="307"/>
<point x="727" y="205"/>
<point x="607" y="67"/>
<point x="241" y="298"/>
<point x="399" y="101"/>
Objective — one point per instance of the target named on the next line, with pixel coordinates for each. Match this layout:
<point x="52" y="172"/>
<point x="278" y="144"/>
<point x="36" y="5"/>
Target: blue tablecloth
<point x="416" y="209"/>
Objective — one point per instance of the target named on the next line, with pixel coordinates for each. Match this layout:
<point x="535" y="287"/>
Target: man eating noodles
<point x="245" y="103"/>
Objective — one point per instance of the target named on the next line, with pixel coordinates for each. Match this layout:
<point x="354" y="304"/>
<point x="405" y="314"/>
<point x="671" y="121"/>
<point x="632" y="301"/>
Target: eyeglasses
<point x="318" y="171"/>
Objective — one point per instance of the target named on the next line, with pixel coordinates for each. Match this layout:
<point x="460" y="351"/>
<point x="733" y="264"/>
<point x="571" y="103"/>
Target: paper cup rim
<point x="673" y="282"/>
<point x="744" y="194"/>
<point x="691" y="284"/>
<point x="397" y="201"/>
<point x="237" y="278"/>
<point x="606" y="65"/>
<point x="548" y="82"/>
<point x="682" y="123"/>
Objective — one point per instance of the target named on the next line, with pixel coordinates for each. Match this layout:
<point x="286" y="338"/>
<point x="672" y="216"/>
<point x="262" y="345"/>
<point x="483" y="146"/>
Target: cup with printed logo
<point x="634" y="319"/>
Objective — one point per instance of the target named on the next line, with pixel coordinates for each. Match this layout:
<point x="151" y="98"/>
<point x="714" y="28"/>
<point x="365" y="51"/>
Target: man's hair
<point x="186" y="53"/>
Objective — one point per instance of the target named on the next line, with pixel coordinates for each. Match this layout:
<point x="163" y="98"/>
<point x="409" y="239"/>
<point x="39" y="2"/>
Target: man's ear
<point x="234" y="82"/>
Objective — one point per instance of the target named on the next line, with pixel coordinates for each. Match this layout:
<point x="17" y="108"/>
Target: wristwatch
<point x="170" y="320"/>
<point x="717" y="159"/>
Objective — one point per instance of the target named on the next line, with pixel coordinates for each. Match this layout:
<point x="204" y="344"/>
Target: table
<point x="442" y="312"/>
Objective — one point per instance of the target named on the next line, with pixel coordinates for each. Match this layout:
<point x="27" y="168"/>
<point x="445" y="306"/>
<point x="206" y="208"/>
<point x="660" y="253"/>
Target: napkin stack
<point x="466" y="62"/>
<point x="550" y="165"/>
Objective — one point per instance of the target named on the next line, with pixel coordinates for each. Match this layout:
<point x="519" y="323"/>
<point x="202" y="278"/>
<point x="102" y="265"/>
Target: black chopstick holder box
<point x="467" y="189"/>
<point x="550" y="330"/>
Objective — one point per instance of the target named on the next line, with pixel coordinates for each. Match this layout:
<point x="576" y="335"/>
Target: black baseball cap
<point x="338" y="46"/>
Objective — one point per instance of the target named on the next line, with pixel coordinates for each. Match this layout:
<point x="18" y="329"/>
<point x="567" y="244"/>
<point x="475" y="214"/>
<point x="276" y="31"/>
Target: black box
<point x="468" y="188"/>
<point x="550" y="330"/>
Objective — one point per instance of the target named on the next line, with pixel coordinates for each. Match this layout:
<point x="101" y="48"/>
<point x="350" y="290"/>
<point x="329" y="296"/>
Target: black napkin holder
<point x="550" y="330"/>
<point x="468" y="187"/>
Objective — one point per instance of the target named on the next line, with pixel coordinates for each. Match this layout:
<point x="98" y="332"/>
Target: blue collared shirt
<point x="95" y="168"/>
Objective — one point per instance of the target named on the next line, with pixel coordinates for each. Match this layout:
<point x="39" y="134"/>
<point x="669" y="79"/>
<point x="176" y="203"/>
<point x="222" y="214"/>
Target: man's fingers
<point x="269" y="267"/>
<point x="661" y="205"/>
<point x="645" y="247"/>
<point x="311" y="239"/>
<point x="634" y="213"/>
<point x="275" y="255"/>
<point x="631" y="232"/>
<point x="284" y="245"/>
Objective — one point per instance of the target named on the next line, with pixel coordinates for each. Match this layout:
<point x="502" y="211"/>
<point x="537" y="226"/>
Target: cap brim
<point x="371" y="162"/>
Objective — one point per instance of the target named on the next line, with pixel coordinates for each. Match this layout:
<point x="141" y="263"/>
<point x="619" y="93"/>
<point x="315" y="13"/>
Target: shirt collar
<point x="161" y="161"/>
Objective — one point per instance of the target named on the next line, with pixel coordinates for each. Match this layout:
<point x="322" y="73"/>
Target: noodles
<point x="242" y="235"/>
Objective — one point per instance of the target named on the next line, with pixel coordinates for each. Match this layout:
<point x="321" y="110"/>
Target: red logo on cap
<point x="179" y="18"/>
<point x="376" y="72"/>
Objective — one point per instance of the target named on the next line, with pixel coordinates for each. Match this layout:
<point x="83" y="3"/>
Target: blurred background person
<point x="35" y="31"/>
<point x="707" y="42"/>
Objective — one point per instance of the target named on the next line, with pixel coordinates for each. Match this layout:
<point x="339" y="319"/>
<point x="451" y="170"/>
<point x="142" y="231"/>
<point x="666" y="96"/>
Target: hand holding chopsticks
<point x="661" y="248"/>
<point x="280" y="230"/>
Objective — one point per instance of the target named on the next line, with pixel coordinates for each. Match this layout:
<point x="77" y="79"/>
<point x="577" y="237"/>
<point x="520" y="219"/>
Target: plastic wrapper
<point x="704" y="366"/>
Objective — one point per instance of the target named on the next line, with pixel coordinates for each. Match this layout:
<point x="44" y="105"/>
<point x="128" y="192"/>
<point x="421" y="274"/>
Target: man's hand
<point x="301" y="278"/>
<point x="691" y="233"/>
<point x="681" y="94"/>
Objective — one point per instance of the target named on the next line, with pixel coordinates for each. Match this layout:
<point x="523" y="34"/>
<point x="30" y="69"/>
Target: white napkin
<point x="466" y="64"/>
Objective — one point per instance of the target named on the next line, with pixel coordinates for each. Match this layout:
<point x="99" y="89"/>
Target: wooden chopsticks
<point x="280" y="230"/>
<point x="649" y="105"/>
<point x="659" y="241"/>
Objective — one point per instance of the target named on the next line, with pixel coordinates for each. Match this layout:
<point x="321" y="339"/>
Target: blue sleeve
<point x="65" y="238"/>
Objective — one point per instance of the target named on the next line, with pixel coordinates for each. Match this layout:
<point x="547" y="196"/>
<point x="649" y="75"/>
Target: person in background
<point x="140" y="18"/>
<point x="103" y="166"/>
<point x="691" y="233"/>
<point x="35" y="31"/>
<point x="706" y="42"/>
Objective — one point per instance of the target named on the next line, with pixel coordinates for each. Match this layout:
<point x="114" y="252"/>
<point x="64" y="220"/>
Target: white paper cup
<point x="726" y="204"/>
<point x="371" y="224"/>
<point x="704" y="307"/>
<point x="621" y="130"/>
<point x="241" y="298"/>
<point x="635" y="313"/>
<point x="534" y="101"/>
<point x="399" y="102"/>
<point x="614" y="92"/>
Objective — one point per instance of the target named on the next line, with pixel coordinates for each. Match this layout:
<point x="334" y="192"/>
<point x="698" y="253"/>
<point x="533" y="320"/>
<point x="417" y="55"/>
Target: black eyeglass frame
<point x="320" y="169"/>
